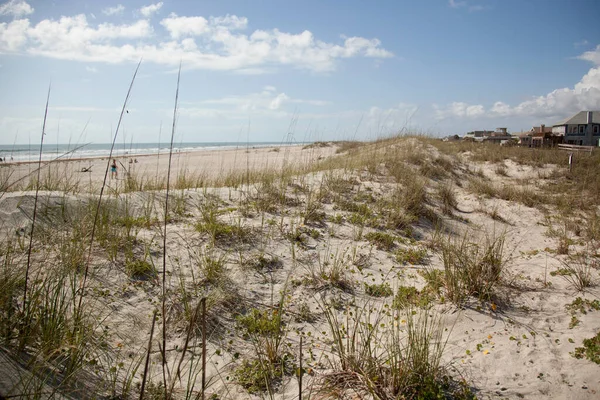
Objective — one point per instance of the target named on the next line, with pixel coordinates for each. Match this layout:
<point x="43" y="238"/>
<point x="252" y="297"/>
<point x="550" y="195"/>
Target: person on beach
<point x="113" y="170"/>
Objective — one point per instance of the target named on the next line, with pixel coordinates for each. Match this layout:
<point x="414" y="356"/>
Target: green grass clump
<point x="212" y="266"/>
<point x="378" y="290"/>
<point x="383" y="358"/>
<point x="354" y="207"/>
<point x="447" y="198"/>
<point x="358" y="219"/>
<point x="579" y="271"/>
<point x="266" y="329"/>
<point x="410" y="296"/>
<point x="381" y="240"/>
<point x="412" y="255"/>
<point x="262" y="262"/>
<point x="139" y="269"/>
<point x="261" y="322"/>
<point x="561" y="272"/>
<point x="257" y="377"/>
<point x="472" y="268"/>
<point x="226" y="234"/>
<point x="590" y="349"/>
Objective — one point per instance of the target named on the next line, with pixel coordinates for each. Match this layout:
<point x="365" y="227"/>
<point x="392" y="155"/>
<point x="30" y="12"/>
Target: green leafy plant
<point x="378" y="289"/>
<point x="590" y="349"/>
<point x="412" y="255"/>
<point x="409" y="296"/>
<point x="382" y="240"/>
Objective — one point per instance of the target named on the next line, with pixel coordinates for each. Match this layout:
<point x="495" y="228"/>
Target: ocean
<point x="21" y="152"/>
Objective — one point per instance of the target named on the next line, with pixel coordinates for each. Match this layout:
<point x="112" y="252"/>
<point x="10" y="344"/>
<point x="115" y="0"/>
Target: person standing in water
<point x="113" y="169"/>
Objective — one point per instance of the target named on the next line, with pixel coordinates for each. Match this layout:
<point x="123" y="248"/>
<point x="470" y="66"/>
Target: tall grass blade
<point x="35" y="203"/>
<point x="166" y="221"/>
<point x="97" y="213"/>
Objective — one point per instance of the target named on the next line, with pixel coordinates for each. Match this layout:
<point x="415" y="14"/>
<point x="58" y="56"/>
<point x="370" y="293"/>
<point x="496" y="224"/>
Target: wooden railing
<point x="576" y="148"/>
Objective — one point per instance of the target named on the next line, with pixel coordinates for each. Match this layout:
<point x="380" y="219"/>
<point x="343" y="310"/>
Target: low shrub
<point x="411" y="255"/>
<point x="139" y="269"/>
<point x="590" y="349"/>
<point x="409" y="296"/>
<point x="382" y="240"/>
<point x="378" y="290"/>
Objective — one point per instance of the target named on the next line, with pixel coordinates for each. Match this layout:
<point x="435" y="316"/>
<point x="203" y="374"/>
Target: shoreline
<point x="60" y="158"/>
<point x="210" y="164"/>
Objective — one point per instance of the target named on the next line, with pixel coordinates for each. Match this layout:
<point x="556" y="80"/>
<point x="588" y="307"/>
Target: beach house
<point x="582" y="128"/>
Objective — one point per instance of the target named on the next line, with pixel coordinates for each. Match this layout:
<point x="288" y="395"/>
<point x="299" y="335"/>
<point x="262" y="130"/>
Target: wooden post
<point x="300" y="373"/>
<point x="203" y="345"/>
<point x="571" y="161"/>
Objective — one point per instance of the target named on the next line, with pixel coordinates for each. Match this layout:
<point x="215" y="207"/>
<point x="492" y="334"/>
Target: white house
<point x="582" y="128"/>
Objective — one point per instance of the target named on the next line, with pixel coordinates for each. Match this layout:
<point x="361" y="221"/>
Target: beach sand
<point x="208" y="163"/>
<point x="518" y="345"/>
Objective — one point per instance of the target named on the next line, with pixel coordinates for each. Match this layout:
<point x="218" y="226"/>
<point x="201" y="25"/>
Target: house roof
<point x="580" y="118"/>
<point x="548" y="129"/>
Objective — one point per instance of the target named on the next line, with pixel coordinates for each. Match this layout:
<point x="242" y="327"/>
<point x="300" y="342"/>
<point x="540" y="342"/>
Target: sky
<point x="299" y="71"/>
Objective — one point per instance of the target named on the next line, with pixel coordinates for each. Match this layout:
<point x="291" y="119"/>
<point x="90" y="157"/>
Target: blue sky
<point x="320" y="70"/>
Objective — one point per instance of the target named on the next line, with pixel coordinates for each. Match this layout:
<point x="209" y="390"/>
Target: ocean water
<point x="20" y="152"/>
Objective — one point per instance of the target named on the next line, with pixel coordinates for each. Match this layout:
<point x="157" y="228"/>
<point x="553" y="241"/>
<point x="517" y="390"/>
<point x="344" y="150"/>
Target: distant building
<point x="582" y="128"/>
<point x="451" y="138"/>
<point x="478" y="134"/>
<point x="500" y="135"/>
<point x="539" y="136"/>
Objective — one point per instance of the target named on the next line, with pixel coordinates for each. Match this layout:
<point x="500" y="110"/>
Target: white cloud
<point x="93" y="70"/>
<point x="185" y="26"/>
<point x="463" y="4"/>
<point x="592" y="56"/>
<point x="13" y="35"/>
<point x="267" y="102"/>
<point x="16" y="8"/>
<point x="459" y="109"/>
<point x="148" y="10"/>
<point x="456" y="4"/>
<point x="232" y="22"/>
<point x="585" y="95"/>
<point x="117" y="10"/>
<point x="197" y="26"/>
<point x="215" y="43"/>
<point x="72" y="38"/>
<point x="276" y="103"/>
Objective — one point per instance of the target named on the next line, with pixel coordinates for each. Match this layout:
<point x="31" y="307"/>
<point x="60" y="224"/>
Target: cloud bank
<point x="584" y="95"/>
<point x="213" y="43"/>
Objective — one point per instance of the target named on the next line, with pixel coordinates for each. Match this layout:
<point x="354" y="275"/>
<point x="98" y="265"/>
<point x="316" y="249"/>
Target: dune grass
<point x="91" y="253"/>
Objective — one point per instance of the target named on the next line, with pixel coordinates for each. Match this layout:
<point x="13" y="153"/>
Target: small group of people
<point x="5" y="159"/>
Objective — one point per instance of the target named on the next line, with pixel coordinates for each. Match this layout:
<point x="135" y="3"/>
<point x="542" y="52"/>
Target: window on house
<point x="581" y="128"/>
<point x="595" y="129"/>
<point x="574" y="129"/>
